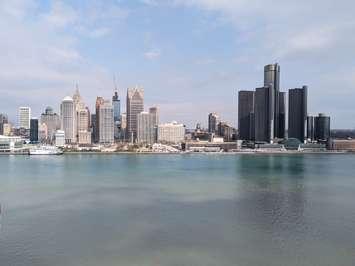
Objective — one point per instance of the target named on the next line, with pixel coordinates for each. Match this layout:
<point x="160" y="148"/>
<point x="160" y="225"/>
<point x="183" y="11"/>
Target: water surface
<point x="177" y="210"/>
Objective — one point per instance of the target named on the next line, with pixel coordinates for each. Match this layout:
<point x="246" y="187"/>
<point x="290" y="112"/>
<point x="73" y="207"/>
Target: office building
<point x="310" y="128"/>
<point x="297" y="113"/>
<point x="42" y="133"/>
<point x="7" y="129"/>
<point x="322" y="127"/>
<point x="3" y="120"/>
<point x="60" y="138"/>
<point x="135" y="105"/>
<point x="272" y="77"/>
<point x="264" y="114"/>
<point x="154" y="111"/>
<point x="34" y="130"/>
<point x="10" y="144"/>
<point x="99" y="102"/>
<point x="282" y="115"/>
<point x="83" y="122"/>
<point x="146" y="128"/>
<point x="226" y="131"/>
<point x="116" y="103"/>
<point x="213" y="120"/>
<point x="106" y="123"/>
<point x="52" y="121"/>
<point x="68" y="119"/>
<point x="246" y="117"/>
<point x="171" y="133"/>
<point x="24" y="116"/>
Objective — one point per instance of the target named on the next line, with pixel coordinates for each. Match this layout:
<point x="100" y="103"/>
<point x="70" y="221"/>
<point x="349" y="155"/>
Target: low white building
<point x="10" y="144"/>
<point x="59" y="138"/>
<point x="171" y="132"/>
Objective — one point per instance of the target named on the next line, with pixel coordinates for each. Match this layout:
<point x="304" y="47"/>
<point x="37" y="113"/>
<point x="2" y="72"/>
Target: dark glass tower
<point x="310" y="128"/>
<point x="322" y="127"/>
<point x="34" y="130"/>
<point x="272" y="77"/>
<point x="282" y="115"/>
<point x="297" y="113"/>
<point x="116" y="107"/>
<point x="264" y="114"/>
<point x="246" y="115"/>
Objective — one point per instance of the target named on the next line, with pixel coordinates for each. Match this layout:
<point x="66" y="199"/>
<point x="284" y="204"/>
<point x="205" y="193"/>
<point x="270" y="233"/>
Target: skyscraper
<point x="135" y="105"/>
<point x="282" y="115"/>
<point x="34" y="130"/>
<point x="322" y="127"/>
<point x="272" y="76"/>
<point x="264" y="114"/>
<point x="297" y="113"/>
<point x="116" y="103"/>
<point x="310" y="128"/>
<point x="3" y="120"/>
<point x="99" y="102"/>
<point x="213" y="120"/>
<point x="52" y="121"/>
<point x="83" y="121"/>
<point x="146" y="128"/>
<point x="106" y="123"/>
<point x="246" y="115"/>
<point x="24" y="116"/>
<point x="68" y="123"/>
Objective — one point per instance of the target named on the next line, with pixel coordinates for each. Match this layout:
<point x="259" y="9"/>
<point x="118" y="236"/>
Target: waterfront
<point x="127" y="209"/>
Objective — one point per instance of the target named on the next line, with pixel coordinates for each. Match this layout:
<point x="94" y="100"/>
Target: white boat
<point x="45" y="150"/>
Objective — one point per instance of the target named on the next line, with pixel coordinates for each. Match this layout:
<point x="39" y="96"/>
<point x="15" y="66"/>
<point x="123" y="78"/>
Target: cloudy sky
<point x="191" y="56"/>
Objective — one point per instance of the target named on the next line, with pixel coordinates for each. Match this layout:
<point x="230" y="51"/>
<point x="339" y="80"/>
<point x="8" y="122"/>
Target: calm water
<point x="98" y="210"/>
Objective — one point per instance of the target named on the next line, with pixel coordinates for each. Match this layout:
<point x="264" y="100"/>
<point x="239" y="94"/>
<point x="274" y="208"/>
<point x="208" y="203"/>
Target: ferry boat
<point x="45" y="150"/>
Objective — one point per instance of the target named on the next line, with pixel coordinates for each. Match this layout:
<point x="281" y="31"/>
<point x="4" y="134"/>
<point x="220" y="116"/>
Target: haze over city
<point x="191" y="57"/>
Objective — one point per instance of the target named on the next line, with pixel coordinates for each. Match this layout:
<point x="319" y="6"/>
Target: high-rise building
<point x="42" y="133"/>
<point x="310" y="128"/>
<point x="99" y="102"/>
<point x="171" y="133"/>
<point x="3" y="120"/>
<point x="282" y="115"/>
<point x="146" y="128"/>
<point x="226" y="131"/>
<point x="7" y="129"/>
<point x="297" y="113"/>
<point x="116" y="103"/>
<point x="34" y="130"/>
<point x="93" y="127"/>
<point x="135" y="105"/>
<point x="68" y="119"/>
<point x="106" y="125"/>
<point x="154" y="111"/>
<point x="246" y="116"/>
<point x="24" y="116"/>
<point x="264" y="114"/>
<point x="213" y="120"/>
<point x="52" y="121"/>
<point x="83" y="122"/>
<point x="322" y="127"/>
<point x="60" y="138"/>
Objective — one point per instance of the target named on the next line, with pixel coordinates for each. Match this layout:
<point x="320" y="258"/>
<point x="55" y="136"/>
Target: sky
<point x="191" y="56"/>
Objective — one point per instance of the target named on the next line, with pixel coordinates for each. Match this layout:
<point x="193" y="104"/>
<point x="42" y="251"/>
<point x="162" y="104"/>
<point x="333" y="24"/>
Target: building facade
<point x="322" y="127"/>
<point x="68" y="119"/>
<point x="106" y="125"/>
<point x="213" y="120"/>
<point x="171" y="133"/>
<point x="146" y="128"/>
<point x="135" y="105"/>
<point x="34" y="130"/>
<point x="59" y="137"/>
<point x="52" y="121"/>
<point x="99" y="102"/>
<point x="24" y="117"/>
<point x="297" y="113"/>
<point x="264" y="114"/>
<point x="246" y="118"/>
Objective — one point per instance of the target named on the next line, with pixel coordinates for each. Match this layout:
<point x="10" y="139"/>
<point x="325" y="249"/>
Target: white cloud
<point x="61" y="15"/>
<point x="151" y="55"/>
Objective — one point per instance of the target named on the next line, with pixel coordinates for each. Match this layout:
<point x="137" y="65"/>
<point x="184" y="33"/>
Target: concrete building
<point x="10" y="144"/>
<point x="171" y="133"/>
<point x="135" y="105"/>
<point x="264" y="114"/>
<point x="60" y="138"/>
<point x="83" y="122"/>
<point x="68" y="119"/>
<point x="3" y="120"/>
<point x="24" y="116"/>
<point x="99" y="102"/>
<point x="246" y="118"/>
<point x="322" y="127"/>
<point x="42" y="133"/>
<point x="213" y="120"/>
<point x="84" y="137"/>
<point x="297" y="113"/>
<point x="52" y="121"/>
<point x="146" y="128"/>
<point x="106" y="125"/>
<point x="226" y="131"/>
<point x="7" y="129"/>
<point x="34" y="130"/>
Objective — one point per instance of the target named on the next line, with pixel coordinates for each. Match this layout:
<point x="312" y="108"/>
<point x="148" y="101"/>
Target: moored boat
<point x="45" y="150"/>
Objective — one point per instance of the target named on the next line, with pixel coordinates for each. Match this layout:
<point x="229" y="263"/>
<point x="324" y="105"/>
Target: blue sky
<point x="191" y="56"/>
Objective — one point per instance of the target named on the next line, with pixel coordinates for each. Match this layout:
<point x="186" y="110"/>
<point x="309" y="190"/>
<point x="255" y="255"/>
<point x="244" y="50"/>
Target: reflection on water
<point x="177" y="210"/>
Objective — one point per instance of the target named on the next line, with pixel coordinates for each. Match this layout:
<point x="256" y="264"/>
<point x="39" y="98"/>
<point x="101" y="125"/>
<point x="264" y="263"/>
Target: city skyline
<point x="214" y="52"/>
